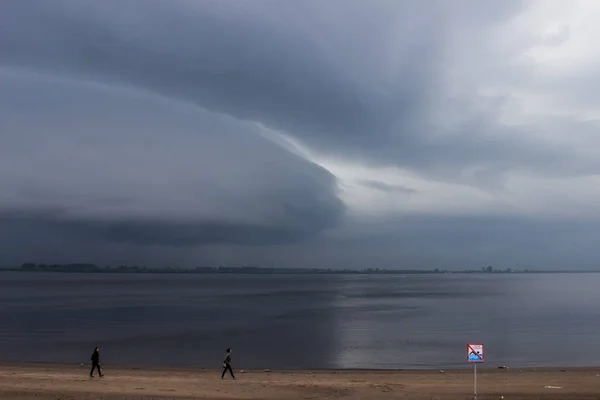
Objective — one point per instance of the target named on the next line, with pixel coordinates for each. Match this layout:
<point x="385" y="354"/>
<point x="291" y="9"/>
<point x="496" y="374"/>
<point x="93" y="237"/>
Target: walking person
<point x="96" y="362"/>
<point x="227" y="364"/>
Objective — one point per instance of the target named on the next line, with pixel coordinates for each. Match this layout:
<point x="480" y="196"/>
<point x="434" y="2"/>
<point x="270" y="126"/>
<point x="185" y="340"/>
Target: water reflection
<point x="339" y="321"/>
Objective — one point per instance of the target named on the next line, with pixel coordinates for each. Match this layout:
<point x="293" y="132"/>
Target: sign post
<point x="475" y="356"/>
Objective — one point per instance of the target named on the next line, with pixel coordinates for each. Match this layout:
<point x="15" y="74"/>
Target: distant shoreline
<point x="241" y="271"/>
<point x="487" y="367"/>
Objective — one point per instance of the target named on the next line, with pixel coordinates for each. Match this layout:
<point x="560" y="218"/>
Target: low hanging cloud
<point x="101" y="163"/>
<point x="142" y="122"/>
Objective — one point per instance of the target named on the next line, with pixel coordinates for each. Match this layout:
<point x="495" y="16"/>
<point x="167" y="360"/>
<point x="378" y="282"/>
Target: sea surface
<point x="301" y="321"/>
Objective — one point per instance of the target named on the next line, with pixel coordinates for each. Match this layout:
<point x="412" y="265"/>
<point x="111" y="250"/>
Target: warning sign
<point x="475" y="353"/>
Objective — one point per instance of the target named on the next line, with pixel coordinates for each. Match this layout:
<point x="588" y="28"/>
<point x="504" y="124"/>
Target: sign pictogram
<point x="475" y="353"/>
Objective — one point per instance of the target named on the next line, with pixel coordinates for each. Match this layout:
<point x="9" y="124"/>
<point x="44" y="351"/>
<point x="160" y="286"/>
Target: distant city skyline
<point x="257" y="269"/>
<point x="330" y="134"/>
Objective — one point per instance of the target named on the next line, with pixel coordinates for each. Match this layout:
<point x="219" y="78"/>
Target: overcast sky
<point x="338" y="133"/>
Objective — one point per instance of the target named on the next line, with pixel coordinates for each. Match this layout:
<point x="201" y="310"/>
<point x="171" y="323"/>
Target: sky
<point x="339" y="134"/>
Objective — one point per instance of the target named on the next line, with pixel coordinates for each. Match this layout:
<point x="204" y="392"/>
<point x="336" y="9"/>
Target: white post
<point x="474" y="381"/>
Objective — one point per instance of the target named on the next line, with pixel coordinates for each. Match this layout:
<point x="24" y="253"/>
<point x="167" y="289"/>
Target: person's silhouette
<point x="227" y="364"/>
<point x="96" y="363"/>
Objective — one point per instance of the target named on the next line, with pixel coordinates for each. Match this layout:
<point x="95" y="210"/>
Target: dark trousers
<point x="96" y="365"/>
<point x="226" y="368"/>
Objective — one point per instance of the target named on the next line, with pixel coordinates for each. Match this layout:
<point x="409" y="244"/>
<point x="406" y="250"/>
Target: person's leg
<point x="223" y="374"/>
<point x="92" y="370"/>
<point x="231" y="371"/>
<point x="100" y="370"/>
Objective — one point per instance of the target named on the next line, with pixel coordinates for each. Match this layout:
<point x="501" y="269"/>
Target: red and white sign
<point x="475" y="353"/>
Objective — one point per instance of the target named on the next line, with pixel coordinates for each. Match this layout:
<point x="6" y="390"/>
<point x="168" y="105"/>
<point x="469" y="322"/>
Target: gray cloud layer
<point x="343" y="77"/>
<point x="108" y="164"/>
<point x="163" y="149"/>
<point x="385" y="187"/>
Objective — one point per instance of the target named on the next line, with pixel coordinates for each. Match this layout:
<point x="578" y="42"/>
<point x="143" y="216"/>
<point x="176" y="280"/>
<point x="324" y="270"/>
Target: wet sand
<point x="54" y="382"/>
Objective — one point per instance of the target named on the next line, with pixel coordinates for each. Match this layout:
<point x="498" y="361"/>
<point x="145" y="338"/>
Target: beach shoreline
<point x="71" y="382"/>
<point x="468" y="367"/>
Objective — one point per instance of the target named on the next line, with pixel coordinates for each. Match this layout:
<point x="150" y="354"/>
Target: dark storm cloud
<point x="434" y="241"/>
<point x="163" y="150"/>
<point x="92" y="162"/>
<point x="149" y="232"/>
<point x="343" y="77"/>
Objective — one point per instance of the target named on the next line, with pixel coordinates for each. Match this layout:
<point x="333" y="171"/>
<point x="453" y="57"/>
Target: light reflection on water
<point x="341" y="321"/>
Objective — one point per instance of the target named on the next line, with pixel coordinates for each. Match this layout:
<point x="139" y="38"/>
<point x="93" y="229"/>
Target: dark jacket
<point x="95" y="357"/>
<point x="227" y="360"/>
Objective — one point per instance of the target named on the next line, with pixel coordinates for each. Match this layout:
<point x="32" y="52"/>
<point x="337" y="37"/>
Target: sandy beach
<point x="54" y="382"/>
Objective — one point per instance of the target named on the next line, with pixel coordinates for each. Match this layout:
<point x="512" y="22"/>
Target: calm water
<point x="301" y="321"/>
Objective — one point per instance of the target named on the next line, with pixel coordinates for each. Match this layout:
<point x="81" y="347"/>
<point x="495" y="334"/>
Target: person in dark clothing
<point x="227" y="364"/>
<point x="96" y="362"/>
